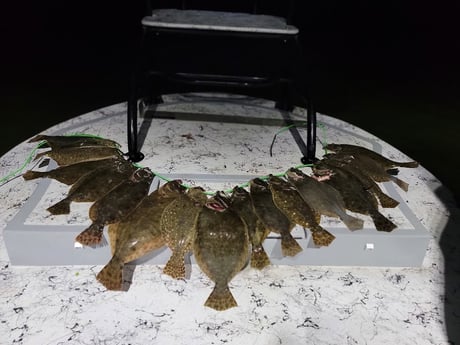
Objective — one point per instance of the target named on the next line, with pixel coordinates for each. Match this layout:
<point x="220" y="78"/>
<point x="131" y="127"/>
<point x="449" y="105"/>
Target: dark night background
<point x="390" y="67"/>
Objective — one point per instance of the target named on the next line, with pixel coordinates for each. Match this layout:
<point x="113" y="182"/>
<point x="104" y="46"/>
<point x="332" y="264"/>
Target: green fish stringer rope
<point x="32" y="154"/>
<point x="319" y="125"/>
<point x="243" y="185"/>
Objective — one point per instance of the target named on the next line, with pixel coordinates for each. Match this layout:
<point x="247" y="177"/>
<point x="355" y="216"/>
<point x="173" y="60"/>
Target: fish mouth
<point x="223" y="199"/>
<point x="215" y="205"/>
<point x="258" y="181"/>
<point x="239" y="192"/>
<point x="176" y="186"/>
<point x="141" y="174"/>
<point x="321" y="178"/>
<point x="274" y="179"/>
<point x="294" y="174"/>
<point x="322" y="174"/>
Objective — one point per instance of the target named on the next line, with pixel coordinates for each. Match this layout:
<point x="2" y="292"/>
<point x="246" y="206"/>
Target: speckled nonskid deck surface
<point x="289" y="303"/>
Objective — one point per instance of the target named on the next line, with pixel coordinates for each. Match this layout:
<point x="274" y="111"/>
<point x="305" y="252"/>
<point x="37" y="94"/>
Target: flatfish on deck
<point x="361" y="170"/>
<point x="271" y="217"/>
<point x="69" y="174"/>
<point x="221" y="249"/>
<point x="95" y="184"/>
<point x="72" y="155"/>
<point x="178" y="223"/>
<point x="138" y="234"/>
<point x="62" y="141"/>
<point x="362" y="151"/>
<point x="288" y="200"/>
<point x="377" y="166"/>
<point x="116" y="205"/>
<point x="322" y="198"/>
<point x="354" y="194"/>
<point x="240" y="202"/>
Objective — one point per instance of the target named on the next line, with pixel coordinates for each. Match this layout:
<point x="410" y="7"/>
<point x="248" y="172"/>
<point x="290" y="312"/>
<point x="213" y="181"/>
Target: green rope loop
<point x="243" y="185"/>
<point x="29" y="158"/>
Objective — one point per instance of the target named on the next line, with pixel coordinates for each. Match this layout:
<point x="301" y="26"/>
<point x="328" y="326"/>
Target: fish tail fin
<point x="403" y="185"/>
<point x="381" y="222"/>
<point x="221" y="299"/>
<point x="386" y="201"/>
<point x="92" y="236"/>
<point x="352" y="223"/>
<point x="321" y="237"/>
<point x="31" y="175"/>
<point x="408" y="164"/>
<point x="111" y="276"/>
<point x="38" y="137"/>
<point x="40" y="155"/>
<point x="289" y="246"/>
<point x="62" y="207"/>
<point x="259" y="257"/>
<point x="175" y="267"/>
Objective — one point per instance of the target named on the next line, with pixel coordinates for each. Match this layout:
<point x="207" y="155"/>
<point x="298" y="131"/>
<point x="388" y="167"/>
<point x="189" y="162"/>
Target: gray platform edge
<point x="28" y="245"/>
<point x="218" y="21"/>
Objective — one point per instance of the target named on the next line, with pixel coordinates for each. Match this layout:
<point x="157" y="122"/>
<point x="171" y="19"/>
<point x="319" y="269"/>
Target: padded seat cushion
<point x="218" y="21"/>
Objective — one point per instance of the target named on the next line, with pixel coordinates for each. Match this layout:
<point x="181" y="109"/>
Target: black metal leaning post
<point x="284" y="103"/>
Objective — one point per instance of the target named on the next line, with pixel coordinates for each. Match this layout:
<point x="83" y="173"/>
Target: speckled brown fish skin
<point x="94" y="185"/>
<point x="271" y="217"/>
<point x="322" y="198"/>
<point x="62" y="141"/>
<point x="138" y="234"/>
<point x="178" y="225"/>
<point x="221" y="249"/>
<point x="241" y="203"/>
<point x="116" y="205"/>
<point x="288" y="200"/>
<point x="355" y="196"/>
<point x="372" y="168"/>
<point x="69" y="174"/>
<point x="361" y="170"/>
<point x="67" y="156"/>
<point x="362" y="151"/>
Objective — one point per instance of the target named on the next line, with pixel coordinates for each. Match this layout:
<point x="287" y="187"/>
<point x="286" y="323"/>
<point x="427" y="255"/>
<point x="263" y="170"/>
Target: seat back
<point x="189" y="49"/>
<point x="280" y="8"/>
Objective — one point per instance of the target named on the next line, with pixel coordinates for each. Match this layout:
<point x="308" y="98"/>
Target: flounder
<point x="362" y="151"/>
<point x="322" y="198"/>
<point x="354" y="194"/>
<point x="62" y="141"/>
<point x="95" y="184"/>
<point x="221" y="249"/>
<point x="271" y="217"/>
<point x="138" y="234"/>
<point x="69" y="174"/>
<point x="361" y="170"/>
<point x="240" y="202"/>
<point x="377" y="171"/>
<point x="73" y="155"/>
<point x="288" y="200"/>
<point x="116" y="205"/>
<point x="178" y="223"/>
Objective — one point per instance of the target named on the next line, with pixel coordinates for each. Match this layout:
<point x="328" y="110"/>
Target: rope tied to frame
<point x="31" y="155"/>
